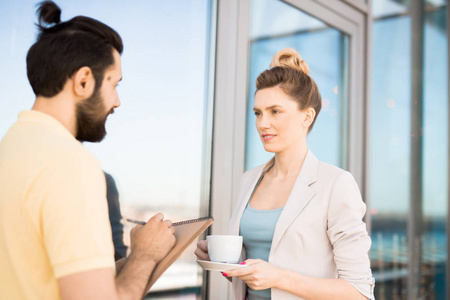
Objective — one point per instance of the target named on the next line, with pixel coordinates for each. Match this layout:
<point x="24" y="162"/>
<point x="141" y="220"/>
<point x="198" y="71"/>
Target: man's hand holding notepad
<point x="185" y="233"/>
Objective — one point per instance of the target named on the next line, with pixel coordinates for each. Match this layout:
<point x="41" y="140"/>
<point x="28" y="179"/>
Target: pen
<point x="173" y="224"/>
<point x="136" y="222"/>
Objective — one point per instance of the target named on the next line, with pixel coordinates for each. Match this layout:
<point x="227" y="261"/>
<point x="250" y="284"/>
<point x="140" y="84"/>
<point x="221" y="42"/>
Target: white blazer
<point x="320" y="231"/>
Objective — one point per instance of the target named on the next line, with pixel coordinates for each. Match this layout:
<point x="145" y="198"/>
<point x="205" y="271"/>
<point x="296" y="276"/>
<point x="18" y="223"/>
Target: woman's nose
<point x="264" y="122"/>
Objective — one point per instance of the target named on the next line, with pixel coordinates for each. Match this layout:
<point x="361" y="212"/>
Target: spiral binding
<point x="192" y="221"/>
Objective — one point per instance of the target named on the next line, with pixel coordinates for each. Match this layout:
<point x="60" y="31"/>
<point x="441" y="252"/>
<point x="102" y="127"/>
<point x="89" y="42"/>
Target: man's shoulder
<point x="78" y="155"/>
<point x="37" y="135"/>
<point x="39" y="148"/>
<point x="40" y="139"/>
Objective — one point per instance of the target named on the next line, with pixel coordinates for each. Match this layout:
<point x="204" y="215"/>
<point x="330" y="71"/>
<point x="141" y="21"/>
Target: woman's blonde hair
<point x="290" y="73"/>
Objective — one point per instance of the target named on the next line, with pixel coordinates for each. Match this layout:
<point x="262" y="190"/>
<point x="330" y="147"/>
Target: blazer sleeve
<point x="348" y="235"/>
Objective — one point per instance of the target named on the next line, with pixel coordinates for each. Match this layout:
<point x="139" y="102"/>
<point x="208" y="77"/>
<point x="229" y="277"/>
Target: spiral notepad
<point x="185" y="233"/>
<point x="191" y="221"/>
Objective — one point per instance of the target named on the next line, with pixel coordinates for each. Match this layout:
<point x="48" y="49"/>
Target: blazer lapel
<point x="299" y="197"/>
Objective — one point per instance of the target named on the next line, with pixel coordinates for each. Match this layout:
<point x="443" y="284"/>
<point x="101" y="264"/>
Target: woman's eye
<point x="257" y="113"/>
<point x="275" y="111"/>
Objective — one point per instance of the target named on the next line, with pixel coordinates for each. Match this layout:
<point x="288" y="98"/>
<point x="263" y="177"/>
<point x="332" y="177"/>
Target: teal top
<point x="257" y="227"/>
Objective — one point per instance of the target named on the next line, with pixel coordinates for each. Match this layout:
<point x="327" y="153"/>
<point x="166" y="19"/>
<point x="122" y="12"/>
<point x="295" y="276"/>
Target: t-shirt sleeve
<point x="74" y="215"/>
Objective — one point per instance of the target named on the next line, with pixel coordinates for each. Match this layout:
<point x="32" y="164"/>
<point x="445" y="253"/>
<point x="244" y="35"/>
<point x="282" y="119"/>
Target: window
<point x="158" y="143"/>
<point x="391" y="167"/>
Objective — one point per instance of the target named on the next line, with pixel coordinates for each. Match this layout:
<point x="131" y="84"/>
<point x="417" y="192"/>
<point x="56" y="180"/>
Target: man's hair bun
<point x="289" y="58"/>
<point x="48" y="13"/>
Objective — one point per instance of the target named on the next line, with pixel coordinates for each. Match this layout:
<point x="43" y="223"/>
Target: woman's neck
<point x="289" y="162"/>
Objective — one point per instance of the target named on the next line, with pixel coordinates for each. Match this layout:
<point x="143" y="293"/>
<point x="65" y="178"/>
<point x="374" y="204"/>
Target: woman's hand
<point x="261" y="275"/>
<point x="258" y="275"/>
<point x="202" y="250"/>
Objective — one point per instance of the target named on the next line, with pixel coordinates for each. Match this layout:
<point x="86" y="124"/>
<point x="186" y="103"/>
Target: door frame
<point x="230" y="104"/>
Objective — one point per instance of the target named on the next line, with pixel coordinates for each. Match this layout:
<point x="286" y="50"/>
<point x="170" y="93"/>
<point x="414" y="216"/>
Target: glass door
<point x="408" y="180"/>
<point x="330" y="37"/>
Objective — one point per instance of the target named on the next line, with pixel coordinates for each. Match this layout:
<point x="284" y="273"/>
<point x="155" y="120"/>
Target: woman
<point x="301" y="219"/>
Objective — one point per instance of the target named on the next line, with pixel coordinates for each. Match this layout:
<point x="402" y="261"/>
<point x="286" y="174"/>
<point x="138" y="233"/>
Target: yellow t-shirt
<point x="53" y="209"/>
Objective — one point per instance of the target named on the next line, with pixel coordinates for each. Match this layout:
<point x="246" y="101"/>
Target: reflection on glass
<point x="435" y="134"/>
<point x="387" y="8"/>
<point x="390" y="150"/>
<point x="435" y="3"/>
<point x="155" y="142"/>
<point x="276" y="25"/>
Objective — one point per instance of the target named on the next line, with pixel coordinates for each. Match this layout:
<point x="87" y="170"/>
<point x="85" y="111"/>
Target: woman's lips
<point x="268" y="137"/>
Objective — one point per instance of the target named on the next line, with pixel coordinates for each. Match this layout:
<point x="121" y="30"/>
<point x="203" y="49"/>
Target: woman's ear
<point x="83" y="82"/>
<point x="310" y="114"/>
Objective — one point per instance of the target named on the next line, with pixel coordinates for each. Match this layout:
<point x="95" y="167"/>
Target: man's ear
<point x="310" y="113"/>
<point x="83" y="82"/>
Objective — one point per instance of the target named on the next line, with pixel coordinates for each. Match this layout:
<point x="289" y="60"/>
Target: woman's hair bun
<point x="289" y="58"/>
<point x="48" y="13"/>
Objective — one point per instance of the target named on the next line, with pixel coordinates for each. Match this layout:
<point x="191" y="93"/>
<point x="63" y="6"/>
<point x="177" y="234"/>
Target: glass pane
<point x="276" y="25"/>
<point x="390" y="151"/>
<point x="156" y="139"/>
<point x="387" y="8"/>
<point x="435" y="162"/>
<point x="435" y="3"/>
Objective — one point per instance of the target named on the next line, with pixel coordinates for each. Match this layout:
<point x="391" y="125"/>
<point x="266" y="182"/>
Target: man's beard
<point x="91" y="118"/>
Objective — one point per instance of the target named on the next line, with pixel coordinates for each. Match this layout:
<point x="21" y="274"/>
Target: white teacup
<point x="224" y="248"/>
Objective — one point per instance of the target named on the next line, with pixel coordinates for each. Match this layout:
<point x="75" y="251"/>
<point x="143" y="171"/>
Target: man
<point x="55" y="237"/>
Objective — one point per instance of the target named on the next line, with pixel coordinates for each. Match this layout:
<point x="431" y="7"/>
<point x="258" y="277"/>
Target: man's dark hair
<point x="62" y="48"/>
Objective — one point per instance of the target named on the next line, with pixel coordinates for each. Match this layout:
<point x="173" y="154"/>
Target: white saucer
<point x="216" y="266"/>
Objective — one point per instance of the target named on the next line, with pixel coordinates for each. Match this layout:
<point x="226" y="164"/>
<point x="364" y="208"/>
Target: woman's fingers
<point x="258" y="274"/>
<point x="202" y="250"/>
<point x="203" y="245"/>
<point x="240" y="271"/>
<point x="250" y="262"/>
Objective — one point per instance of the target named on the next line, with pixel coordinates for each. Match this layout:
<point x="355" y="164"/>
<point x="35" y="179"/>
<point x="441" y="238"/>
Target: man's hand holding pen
<point x="154" y="239"/>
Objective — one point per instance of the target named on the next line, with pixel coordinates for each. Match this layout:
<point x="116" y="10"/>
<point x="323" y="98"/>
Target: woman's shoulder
<point x="333" y="173"/>
<point x="332" y="169"/>
<point x="340" y="183"/>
